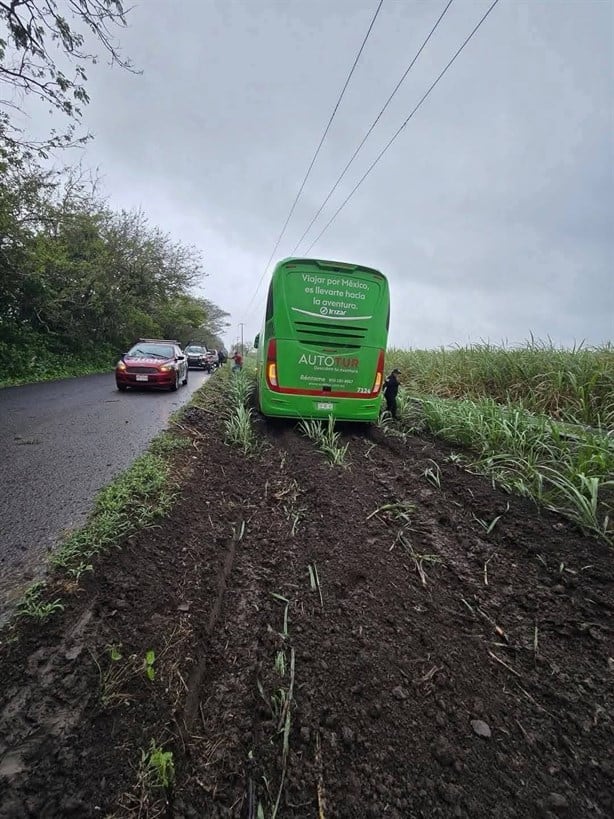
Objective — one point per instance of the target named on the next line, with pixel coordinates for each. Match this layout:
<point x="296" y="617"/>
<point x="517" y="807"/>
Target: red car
<point x="152" y="362"/>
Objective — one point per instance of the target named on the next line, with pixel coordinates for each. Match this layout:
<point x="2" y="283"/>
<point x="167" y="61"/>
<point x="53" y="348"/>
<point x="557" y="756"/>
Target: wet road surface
<point x="60" y="442"/>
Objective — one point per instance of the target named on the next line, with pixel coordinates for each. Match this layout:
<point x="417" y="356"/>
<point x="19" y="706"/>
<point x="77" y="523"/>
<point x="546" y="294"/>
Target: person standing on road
<point x="391" y="389"/>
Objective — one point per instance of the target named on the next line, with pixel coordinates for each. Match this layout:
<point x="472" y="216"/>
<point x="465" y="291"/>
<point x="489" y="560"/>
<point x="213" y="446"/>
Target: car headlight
<point x="121" y="366"/>
<point x="167" y="368"/>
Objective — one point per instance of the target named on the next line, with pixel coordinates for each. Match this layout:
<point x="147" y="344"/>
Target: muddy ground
<point x="421" y="667"/>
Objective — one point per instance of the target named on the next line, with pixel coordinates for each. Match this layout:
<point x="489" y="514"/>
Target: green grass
<point x="567" y="469"/>
<point x="167" y="443"/>
<point x="73" y="370"/>
<point x="240" y="385"/>
<point x="574" y="385"/>
<point x="34" y="606"/>
<point x="160" y="766"/>
<point x="238" y="388"/>
<point x="326" y="438"/>
<point x="239" y="430"/>
<point x="34" y="366"/>
<point x="134" y="500"/>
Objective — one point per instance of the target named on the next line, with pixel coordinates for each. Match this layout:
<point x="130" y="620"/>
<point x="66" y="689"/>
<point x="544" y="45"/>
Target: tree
<point x="80" y="281"/>
<point x="39" y="40"/>
<point x="211" y="327"/>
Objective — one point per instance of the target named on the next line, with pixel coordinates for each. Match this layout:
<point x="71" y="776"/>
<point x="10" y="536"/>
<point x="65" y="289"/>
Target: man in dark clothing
<point x="391" y="388"/>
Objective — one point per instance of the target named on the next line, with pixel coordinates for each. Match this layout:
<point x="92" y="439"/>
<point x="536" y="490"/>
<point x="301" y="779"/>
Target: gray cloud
<point x="491" y="214"/>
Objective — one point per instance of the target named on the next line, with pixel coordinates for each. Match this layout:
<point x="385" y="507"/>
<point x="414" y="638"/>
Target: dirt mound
<point x="339" y="642"/>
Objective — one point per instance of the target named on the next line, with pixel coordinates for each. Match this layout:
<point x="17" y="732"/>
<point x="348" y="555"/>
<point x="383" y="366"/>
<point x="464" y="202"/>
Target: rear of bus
<point x="321" y="352"/>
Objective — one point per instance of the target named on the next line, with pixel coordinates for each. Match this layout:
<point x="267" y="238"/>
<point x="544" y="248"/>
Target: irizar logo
<point x="330" y="311"/>
<point x="328" y="361"/>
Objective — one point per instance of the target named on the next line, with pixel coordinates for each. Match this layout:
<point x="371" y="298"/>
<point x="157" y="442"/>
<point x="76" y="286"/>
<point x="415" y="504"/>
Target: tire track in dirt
<point x="239" y="728"/>
<point x="192" y="699"/>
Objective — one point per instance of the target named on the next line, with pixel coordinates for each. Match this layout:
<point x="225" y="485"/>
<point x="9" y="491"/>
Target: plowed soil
<point x="411" y="663"/>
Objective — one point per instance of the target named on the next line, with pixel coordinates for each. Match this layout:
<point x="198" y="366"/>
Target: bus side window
<point x="256" y="341"/>
<point x="269" y="304"/>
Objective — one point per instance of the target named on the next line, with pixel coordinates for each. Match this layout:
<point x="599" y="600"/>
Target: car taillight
<point x="271" y="363"/>
<point x="379" y="375"/>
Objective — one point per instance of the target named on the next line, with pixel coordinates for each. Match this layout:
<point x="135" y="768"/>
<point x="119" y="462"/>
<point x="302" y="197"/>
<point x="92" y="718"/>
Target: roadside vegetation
<point x="53" y="366"/>
<point x="327" y="439"/>
<point x="132" y="501"/>
<point x="570" y="385"/>
<point x="238" y="424"/>
<point x="538" y="420"/>
<point x="80" y="282"/>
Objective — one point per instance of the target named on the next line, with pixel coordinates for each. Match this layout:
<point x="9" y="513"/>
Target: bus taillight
<point x="379" y="375"/>
<point x="271" y="363"/>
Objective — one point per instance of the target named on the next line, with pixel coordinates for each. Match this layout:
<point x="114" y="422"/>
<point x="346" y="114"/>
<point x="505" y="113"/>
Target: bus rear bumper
<point x="278" y="405"/>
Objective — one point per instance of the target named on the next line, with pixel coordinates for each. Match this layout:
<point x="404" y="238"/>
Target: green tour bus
<point x="321" y="349"/>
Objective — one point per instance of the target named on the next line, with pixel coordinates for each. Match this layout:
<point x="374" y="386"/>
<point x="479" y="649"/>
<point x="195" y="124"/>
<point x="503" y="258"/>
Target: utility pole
<point x="242" y="345"/>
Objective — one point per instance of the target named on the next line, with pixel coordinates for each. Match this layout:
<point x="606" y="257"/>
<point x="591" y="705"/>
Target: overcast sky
<point x="492" y="212"/>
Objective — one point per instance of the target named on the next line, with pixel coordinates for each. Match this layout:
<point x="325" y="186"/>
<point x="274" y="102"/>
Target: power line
<point x="373" y="124"/>
<point x="396" y="134"/>
<point x="315" y="156"/>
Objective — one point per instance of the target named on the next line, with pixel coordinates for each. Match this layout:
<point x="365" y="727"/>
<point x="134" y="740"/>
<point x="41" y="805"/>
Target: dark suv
<point x="152" y="362"/>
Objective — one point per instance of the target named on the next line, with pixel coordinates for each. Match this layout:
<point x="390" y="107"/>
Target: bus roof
<point x="327" y="264"/>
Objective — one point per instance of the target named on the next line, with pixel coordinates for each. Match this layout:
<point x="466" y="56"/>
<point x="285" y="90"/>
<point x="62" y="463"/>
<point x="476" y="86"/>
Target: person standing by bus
<point x="391" y="389"/>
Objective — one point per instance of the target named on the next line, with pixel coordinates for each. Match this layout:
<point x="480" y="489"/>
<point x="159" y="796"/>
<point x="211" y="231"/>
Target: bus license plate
<point x="322" y="405"/>
<point x="142" y="378"/>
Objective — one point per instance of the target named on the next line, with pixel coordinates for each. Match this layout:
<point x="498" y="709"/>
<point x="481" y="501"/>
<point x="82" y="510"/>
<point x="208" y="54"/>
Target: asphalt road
<point x="61" y="442"/>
